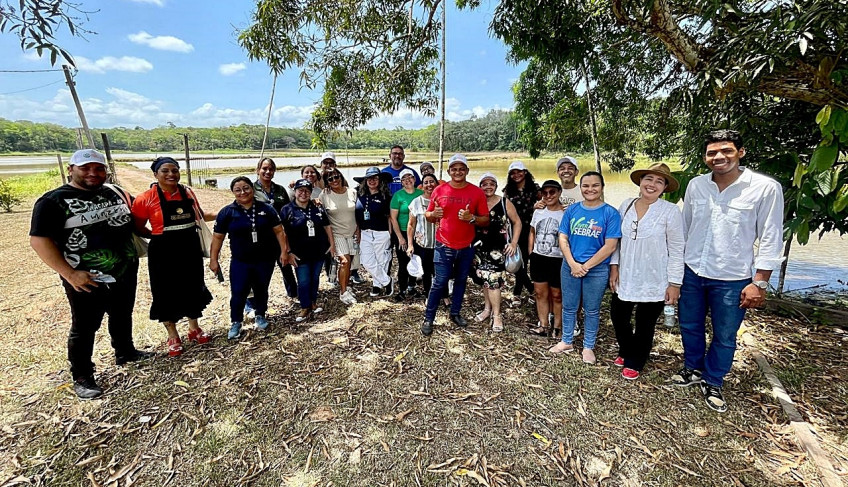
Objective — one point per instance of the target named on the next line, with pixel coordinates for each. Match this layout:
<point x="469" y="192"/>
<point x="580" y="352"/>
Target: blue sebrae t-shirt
<point x="588" y="228"/>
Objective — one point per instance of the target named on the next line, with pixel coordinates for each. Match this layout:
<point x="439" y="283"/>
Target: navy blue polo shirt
<point x="378" y="212"/>
<point x="233" y="220"/>
<point x="295" y="221"/>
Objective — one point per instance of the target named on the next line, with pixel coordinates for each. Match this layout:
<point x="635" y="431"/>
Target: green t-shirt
<point x="400" y="202"/>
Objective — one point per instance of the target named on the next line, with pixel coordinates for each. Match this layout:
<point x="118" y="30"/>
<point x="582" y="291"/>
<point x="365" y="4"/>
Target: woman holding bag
<point x="493" y="245"/>
<point x="175" y="258"/>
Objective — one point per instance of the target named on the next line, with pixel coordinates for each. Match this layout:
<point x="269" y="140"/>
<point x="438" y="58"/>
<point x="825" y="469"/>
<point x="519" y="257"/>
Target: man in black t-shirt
<point x="84" y="231"/>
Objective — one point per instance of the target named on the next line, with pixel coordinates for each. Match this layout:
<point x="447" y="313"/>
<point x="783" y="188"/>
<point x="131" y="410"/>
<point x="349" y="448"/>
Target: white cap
<point x="328" y="155"/>
<point x="567" y="159"/>
<point x="487" y="175"/>
<point x="86" y="156"/>
<point x="516" y="165"/>
<point x="407" y="172"/>
<point x="458" y="158"/>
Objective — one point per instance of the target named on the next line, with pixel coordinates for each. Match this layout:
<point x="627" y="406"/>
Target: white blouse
<point x="650" y="254"/>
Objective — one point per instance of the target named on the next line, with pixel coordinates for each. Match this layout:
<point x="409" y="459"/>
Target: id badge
<point x="254" y="236"/>
<point x="366" y="215"/>
<point x="310" y="228"/>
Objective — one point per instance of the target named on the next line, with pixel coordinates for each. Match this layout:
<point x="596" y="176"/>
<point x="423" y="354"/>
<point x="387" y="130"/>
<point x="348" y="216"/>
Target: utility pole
<point x="107" y="149"/>
<point x="188" y="160"/>
<point x="70" y="82"/>
<point x="442" y="124"/>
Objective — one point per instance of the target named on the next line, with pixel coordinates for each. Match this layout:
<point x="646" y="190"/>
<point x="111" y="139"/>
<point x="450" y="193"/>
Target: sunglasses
<point x="332" y="178"/>
<point x="550" y="192"/>
<point x="634" y="229"/>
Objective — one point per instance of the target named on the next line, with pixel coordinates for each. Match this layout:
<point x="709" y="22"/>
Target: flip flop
<point x="554" y="349"/>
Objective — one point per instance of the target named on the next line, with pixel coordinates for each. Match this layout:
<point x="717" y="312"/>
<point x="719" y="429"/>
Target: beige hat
<point x="659" y="169"/>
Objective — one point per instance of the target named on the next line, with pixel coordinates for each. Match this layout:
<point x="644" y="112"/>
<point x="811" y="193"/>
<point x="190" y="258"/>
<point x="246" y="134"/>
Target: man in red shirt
<point x="458" y="208"/>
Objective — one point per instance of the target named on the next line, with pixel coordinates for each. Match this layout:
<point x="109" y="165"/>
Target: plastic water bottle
<point x="668" y="315"/>
<point x="333" y="276"/>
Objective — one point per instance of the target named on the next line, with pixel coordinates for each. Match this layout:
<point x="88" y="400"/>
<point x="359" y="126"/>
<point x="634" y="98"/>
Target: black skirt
<point x="176" y="276"/>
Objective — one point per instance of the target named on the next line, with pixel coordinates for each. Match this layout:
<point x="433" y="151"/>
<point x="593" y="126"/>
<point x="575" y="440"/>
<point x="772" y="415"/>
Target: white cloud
<point x="109" y="63"/>
<point x="162" y="43"/>
<point x="32" y="56"/>
<point x="158" y="3"/>
<point x="231" y="68"/>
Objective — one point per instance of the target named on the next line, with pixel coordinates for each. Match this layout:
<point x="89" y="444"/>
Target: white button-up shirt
<point x="650" y="255"/>
<point x="722" y="227"/>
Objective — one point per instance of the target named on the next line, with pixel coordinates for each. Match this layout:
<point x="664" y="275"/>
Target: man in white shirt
<point x="724" y="213"/>
<point x="567" y="171"/>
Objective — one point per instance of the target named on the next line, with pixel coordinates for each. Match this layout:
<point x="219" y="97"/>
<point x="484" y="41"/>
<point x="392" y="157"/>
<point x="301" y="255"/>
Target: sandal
<point x="483" y="315"/>
<point x="556" y="333"/>
<point x="175" y="347"/>
<point x="497" y="323"/>
<point x="561" y="347"/>
<point x="199" y="336"/>
<point x="539" y="331"/>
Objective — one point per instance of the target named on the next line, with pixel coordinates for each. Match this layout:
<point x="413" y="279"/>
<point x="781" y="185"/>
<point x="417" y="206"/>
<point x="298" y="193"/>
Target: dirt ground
<point x="357" y="397"/>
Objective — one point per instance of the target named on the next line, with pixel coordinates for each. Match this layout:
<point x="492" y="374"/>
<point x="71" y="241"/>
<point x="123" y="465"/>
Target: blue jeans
<point x="247" y="276"/>
<point x="722" y="298"/>
<point x="590" y="288"/>
<point x="308" y="276"/>
<point x="449" y="263"/>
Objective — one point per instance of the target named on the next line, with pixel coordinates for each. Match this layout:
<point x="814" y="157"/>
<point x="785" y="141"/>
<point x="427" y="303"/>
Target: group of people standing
<point x="647" y="251"/>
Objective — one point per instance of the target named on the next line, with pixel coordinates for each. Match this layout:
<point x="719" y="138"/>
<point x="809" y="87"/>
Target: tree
<point x="370" y="57"/>
<point x="36" y="22"/>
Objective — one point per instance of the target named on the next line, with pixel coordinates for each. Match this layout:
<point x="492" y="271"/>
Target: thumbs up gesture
<point x="465" y="213"/>
<point x="438" y="211"/>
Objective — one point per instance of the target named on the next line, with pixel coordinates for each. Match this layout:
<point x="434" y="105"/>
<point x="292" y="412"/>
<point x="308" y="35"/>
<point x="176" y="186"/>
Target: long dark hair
<point x="327" y="174"/>
<point x="511" y="188"/>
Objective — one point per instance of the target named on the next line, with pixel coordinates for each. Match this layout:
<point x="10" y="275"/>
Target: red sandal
<point x="199" y="336"/>
<point x="175" y="347"/>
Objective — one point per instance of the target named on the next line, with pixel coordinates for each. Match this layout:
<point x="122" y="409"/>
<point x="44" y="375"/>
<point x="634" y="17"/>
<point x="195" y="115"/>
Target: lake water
<point x="820" y="263"/>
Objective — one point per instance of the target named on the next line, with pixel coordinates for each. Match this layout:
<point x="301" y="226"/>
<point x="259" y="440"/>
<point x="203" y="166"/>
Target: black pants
<point x="403" y="273"/>
<point x="427" y="264"/>
<point x="87" y="310"/>
<point x="289" y="280"/>
<point x="246" y="277"/>
<point x="634" y="343"/>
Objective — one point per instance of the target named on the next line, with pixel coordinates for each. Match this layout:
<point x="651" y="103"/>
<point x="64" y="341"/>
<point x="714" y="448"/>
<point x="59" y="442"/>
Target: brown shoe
<point x="303" y="315"/>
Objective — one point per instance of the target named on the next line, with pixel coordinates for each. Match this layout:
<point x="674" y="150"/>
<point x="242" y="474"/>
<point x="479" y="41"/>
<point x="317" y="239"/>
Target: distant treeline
<point x="496" y="131"/>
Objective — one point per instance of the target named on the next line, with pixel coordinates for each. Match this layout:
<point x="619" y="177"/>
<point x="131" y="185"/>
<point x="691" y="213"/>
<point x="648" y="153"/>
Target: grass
<point x="33" y="185"/>
<point x="357" y="397"/>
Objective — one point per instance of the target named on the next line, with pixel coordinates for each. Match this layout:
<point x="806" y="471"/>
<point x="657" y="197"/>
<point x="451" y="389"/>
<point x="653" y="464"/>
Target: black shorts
<point x="546" y="270"/>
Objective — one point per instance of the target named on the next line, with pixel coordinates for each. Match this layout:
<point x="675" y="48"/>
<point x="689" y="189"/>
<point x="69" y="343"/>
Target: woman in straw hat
<point x="647" y="268"/>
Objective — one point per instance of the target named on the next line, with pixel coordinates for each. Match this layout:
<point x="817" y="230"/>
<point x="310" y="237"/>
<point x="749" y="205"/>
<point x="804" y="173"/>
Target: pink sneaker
<point x="630" y="374"/>
<point x="619" y="362"/>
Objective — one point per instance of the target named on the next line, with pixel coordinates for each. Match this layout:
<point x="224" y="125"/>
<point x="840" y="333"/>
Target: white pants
<point x="375" y="254"/>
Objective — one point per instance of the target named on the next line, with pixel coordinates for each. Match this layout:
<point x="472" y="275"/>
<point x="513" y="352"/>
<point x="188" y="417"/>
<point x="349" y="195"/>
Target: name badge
<point x="254" y="236"/>
<point x="366" y="215"/>
<point x="310" y="227"/>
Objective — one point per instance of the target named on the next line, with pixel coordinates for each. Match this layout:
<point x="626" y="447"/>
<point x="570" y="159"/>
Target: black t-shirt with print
<point x="92" y="229"/>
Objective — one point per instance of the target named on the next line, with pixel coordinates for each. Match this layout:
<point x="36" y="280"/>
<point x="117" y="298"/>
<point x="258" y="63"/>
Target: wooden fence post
<point x="61" y="169"/>
<point x="107" y="149"/>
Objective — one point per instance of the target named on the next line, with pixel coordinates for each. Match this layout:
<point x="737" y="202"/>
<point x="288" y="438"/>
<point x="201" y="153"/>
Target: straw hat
<point x="659" y="169"/>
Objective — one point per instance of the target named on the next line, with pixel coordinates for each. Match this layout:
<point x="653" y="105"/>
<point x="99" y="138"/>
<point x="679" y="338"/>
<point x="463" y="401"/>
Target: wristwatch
<point x="761" y="284"/>
<point x="473" y="219"/>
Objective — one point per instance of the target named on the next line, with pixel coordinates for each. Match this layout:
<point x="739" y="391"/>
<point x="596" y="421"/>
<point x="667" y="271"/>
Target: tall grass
<point x="33" y="185"/>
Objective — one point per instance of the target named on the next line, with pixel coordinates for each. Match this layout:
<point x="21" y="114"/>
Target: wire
<point x="28" y="70"/>
<point x="30" y="89"/>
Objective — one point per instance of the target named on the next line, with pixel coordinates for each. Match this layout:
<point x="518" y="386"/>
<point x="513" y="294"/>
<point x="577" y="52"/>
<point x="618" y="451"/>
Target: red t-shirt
<point x="453" y="232"/>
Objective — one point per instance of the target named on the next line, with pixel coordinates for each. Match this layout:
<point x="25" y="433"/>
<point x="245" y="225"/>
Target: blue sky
<point x="157" y="61"/>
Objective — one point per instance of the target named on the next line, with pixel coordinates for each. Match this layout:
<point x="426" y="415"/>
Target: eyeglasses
<point x="242" y="190"/>
<point x="332" y="178"/>
<point x="551" y="192"/>
<point x="634" y="229"/>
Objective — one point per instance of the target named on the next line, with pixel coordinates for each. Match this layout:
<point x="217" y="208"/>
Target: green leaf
<point x="803" y="232"/>
<point x="800" y="170"/>
<point x="839" y="121"/>
<point x="824" y="182"/>
<point x="824" y="157"/>
<point x="841" y="199"/>
<point x="824" y="115"/>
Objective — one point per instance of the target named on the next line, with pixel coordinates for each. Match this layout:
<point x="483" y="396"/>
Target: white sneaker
<point x="347" y="298"/>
